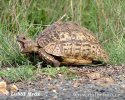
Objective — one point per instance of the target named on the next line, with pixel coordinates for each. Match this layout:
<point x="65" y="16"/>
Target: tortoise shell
<point x="68" y="39"/>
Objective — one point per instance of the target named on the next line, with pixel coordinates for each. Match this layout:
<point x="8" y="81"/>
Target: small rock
<point x="54" y="91"/>
<point x="123" y="86"/>
<point x="49" y="78"/>
<point x="13" y="88"/>
<point x="51" y="87"/>
<point x="54" y="97"/>
<point x="60" y="75"/>
<point x="76" y="85"/>
<point x="104" y="81"/>
<point x="3" y="88"/>
<point x="94" y="75"/>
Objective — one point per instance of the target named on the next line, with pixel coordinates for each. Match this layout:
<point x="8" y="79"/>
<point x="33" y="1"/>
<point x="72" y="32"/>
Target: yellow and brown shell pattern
<point x="68" y="39"/>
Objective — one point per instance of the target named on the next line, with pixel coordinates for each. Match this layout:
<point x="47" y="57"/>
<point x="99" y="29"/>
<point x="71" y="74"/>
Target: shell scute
<point x="71" y="40"/>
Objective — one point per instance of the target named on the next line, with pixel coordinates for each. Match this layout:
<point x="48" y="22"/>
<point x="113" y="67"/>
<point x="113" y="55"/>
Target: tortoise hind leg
<point x="50" y="59"/>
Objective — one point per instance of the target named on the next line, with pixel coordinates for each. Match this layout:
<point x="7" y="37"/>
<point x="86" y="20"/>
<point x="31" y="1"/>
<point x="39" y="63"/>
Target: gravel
<point x="80" y="88"/>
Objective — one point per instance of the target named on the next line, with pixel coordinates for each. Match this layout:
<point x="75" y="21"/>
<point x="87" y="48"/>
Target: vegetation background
<point x="106" y="18"/>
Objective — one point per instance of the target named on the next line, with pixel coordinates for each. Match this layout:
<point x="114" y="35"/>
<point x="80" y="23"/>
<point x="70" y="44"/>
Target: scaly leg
<point x="50" y="59"/>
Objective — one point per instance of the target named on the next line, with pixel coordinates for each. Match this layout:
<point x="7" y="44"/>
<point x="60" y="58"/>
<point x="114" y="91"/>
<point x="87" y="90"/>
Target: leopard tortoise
<point x="65" y="43"/>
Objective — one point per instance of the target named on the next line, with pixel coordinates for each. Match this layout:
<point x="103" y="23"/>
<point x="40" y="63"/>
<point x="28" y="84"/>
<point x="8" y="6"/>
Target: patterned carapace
<point x="71" y="40"/>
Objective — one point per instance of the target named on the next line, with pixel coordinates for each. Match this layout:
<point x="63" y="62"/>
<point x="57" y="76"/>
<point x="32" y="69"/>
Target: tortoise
<point x="65" y="43"/>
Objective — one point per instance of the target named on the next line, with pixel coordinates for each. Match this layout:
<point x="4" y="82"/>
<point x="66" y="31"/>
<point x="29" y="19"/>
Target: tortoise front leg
<point x="50" y="59"/>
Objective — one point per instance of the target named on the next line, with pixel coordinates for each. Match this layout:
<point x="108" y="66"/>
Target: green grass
<point x="21" y="73"/>
<point x="29" y="73"/>
<point x="54" y="71"/>
<point x="105" y="18"/>
<point x="9" y="51"/>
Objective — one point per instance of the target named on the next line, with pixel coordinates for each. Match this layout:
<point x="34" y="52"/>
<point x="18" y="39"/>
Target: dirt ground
<point x="91" y="83"/>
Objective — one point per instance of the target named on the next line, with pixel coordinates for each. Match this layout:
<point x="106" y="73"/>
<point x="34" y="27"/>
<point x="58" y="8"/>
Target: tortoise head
<point x="26" y="44"/>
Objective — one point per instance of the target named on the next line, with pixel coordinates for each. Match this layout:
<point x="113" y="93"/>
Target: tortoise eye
<point x="23" y="38"/>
